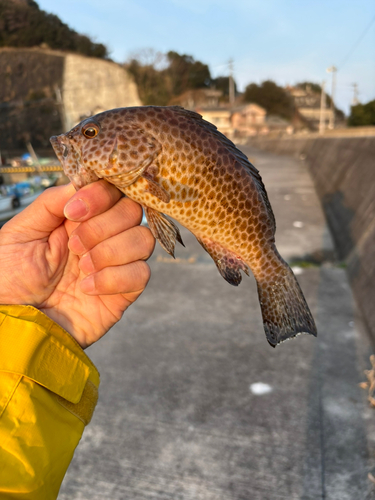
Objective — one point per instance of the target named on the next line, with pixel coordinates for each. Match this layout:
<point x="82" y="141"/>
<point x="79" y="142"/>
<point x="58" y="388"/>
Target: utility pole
<point x="332" y="69"/>
<point x="231" y="83"/>
<point x="355" y="100"/>
<point x="322" y="122"/>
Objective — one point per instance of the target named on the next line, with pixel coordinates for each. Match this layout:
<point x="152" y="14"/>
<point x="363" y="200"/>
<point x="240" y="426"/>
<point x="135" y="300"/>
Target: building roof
<point x="276" y="120"/>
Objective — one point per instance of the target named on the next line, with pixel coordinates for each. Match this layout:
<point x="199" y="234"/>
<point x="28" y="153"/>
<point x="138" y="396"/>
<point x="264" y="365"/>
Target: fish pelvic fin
<point x="284" y="308"/>
<point x="163" y="229"/>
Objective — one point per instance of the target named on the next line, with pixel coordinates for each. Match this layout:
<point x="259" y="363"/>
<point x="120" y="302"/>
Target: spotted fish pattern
<point x="176" y="164"/>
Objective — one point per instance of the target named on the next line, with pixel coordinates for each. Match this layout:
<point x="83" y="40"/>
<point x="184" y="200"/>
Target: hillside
<point x="24" y="24"/>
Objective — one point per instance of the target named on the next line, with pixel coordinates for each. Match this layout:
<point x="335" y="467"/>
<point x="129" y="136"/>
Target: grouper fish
<point x="176" y="164"/>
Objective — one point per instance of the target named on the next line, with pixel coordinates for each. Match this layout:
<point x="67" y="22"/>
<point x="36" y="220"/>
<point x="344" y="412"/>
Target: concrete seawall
<point x="343" y="170"/>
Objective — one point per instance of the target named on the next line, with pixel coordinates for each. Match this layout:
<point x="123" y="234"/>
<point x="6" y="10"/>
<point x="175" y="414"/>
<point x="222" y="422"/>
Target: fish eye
<point x="90" y="130"/>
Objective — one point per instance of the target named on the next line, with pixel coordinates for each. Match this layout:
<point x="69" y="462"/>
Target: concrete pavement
<point x="195" y="405"/>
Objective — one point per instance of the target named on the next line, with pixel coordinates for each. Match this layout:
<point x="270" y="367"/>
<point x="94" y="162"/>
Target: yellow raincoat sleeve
<point x="48" y="392"/>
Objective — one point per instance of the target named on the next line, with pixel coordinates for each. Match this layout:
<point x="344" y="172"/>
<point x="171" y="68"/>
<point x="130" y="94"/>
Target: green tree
<point x="362" y="114"/>
<point x="160" y="77"/>
<point x="151" y="83"/>
<point x="222" y="83"/>
<point x="274" y="99"/>
<point x="24" y="24"/>
<point x="314" y="87"/>
<point x="185" y="73"/>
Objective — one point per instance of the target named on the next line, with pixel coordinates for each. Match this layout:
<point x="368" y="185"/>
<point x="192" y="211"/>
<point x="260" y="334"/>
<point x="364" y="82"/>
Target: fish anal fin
<point x="228" y="264"/>
<point x="163" y="229"/>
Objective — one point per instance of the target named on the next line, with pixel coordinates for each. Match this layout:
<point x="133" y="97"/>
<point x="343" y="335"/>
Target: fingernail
<point x="76" y="245"/>
<point x="86" y="265"/>
<point x="88" y="284"/>
<point x="76" y="209"/>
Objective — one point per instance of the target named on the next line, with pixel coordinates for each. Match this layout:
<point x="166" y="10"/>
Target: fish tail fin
<point x="284" y="308"/>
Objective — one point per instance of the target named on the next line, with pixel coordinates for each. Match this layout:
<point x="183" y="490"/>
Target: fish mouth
<point x="62" y="147"/>
<point x="62" y="151"/>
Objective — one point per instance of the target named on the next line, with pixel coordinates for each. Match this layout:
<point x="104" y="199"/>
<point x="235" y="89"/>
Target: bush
<point x="362" y="115"/>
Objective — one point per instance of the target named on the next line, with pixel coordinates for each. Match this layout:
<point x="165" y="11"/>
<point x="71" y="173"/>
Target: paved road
<point x="194" y="403"/>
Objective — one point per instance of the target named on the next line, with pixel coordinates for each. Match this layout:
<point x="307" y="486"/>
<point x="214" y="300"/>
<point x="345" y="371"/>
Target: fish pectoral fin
<point x="121" y="177"/>
<point x="163" y="229"/>
<point x="131" y="147"/>
<point x="157" y="190"/>
<point x="125" y="179"/>
<point x="228" y="264"/>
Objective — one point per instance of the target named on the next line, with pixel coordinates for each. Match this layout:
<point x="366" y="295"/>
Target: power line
<point x="348" y="55"/>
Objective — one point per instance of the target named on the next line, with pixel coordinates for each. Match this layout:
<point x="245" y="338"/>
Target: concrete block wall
<point x="343" y="169"/>
<point x="94" y="85"/>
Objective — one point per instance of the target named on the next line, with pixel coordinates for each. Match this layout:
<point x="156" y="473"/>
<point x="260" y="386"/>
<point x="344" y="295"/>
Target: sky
<point x="288" y="41"/>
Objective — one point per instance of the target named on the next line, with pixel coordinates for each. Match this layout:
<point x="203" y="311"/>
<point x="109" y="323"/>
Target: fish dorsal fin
<point x="187" y="112"/>
<point x="254" y="172"/>
<point x="240" y="156"/>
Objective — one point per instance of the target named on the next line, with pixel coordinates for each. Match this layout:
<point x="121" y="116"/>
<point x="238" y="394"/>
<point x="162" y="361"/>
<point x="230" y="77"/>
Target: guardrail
<point x="23" y="170"/>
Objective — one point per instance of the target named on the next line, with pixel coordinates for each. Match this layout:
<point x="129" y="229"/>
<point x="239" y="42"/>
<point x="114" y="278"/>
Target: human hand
<point x="83" y="270"/>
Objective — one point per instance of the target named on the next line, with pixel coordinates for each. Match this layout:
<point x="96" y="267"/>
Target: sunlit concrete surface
<point x="195" y="405"/>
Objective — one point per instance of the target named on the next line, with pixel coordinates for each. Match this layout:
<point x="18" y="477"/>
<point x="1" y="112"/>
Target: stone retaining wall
<point x="46" y="92"/>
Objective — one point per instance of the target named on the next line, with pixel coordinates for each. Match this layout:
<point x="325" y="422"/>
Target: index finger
<point x="40" y="218"/>
<point x="123" y="216"/>
<point x="91" y="200"/>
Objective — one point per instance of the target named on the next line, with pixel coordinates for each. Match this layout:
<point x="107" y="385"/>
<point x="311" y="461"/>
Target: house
<point x="220" y="116"/>
<point x="248" y="119"/>
<point x="278" y="126"/>
<point x="308" y="105"/>
<point x="198" y="98"/>
<point x="234" y="122"/>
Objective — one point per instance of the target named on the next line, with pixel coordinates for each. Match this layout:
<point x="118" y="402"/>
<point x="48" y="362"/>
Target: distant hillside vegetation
<point x="24" y="24"/>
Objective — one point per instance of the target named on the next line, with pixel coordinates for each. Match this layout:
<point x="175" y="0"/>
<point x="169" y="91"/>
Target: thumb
<point x="40" y="218"/>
